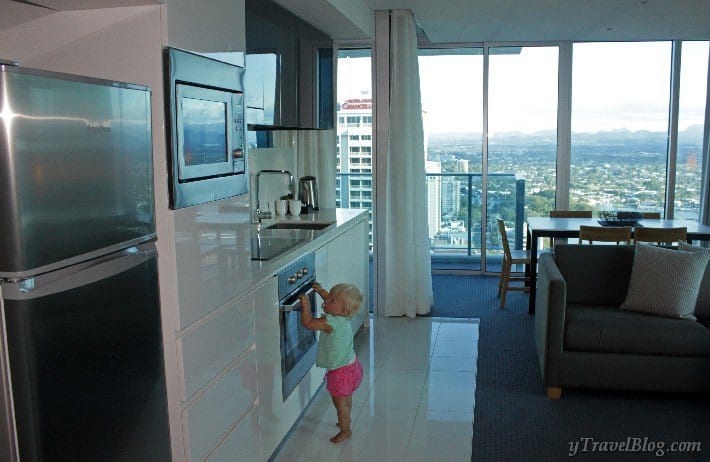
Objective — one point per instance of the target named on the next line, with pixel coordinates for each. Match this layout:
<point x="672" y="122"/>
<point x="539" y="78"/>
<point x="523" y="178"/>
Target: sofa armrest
<point x="550" y="304"/>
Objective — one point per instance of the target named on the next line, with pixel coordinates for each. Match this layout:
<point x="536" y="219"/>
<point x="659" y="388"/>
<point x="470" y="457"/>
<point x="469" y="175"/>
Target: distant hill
<point x="692" y="134"/>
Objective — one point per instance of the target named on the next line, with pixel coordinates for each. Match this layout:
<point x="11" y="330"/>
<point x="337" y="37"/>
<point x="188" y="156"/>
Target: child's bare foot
<point x="341" y="436"/>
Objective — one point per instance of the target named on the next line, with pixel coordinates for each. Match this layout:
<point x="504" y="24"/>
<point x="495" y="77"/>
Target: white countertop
<point x="214" y="252"/>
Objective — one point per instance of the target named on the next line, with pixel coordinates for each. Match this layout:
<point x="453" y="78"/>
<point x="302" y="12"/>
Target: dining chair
<point x="510" y="258"/>
<point x="616" y="234"/>
<point x="570" y="214"/>
<point x="651" y="215"/>
<point x="660" y="235"/>
<point x="567" y="214"/>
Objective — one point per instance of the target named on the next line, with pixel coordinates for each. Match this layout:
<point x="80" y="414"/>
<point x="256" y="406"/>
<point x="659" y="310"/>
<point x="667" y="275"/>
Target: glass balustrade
<point x="455" y="215"/>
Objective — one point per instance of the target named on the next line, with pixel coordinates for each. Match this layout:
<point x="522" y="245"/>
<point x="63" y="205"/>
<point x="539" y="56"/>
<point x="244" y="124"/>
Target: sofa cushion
<point x="702" y="306"/>
<point x="606" y="329"/>
<point x="665" y="282"/>
<point x="595" y="274"/>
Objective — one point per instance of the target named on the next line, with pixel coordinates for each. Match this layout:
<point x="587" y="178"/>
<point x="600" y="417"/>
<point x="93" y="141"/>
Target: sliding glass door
<point x="472" y="179"/>
<point x="522" y="142"/>
<point x="451" y="83"/>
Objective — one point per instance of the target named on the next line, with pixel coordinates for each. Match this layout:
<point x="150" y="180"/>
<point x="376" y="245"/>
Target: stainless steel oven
<point x="205" y="107"/>
<point x="298" y="344"/>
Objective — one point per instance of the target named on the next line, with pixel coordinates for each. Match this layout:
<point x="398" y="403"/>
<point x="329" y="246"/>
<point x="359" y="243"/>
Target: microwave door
<point x="204" y="132"/>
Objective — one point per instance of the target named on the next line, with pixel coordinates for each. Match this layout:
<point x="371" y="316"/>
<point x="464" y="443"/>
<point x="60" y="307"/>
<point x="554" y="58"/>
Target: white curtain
<point x="405" y="245"/>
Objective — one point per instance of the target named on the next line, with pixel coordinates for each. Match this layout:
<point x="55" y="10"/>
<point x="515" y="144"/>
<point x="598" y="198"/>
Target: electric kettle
<point x="308" y="193"/>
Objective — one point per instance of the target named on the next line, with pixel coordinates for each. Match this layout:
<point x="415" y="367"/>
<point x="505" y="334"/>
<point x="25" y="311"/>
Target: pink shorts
<point x="343" y="381"/>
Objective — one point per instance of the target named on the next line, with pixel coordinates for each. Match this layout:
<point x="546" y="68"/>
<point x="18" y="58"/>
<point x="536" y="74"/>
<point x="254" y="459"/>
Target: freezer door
<point x="86" y="364"/>
<point x="76" y="169"/>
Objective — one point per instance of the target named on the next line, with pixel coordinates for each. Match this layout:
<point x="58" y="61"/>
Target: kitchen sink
<point x="299" y="225"/>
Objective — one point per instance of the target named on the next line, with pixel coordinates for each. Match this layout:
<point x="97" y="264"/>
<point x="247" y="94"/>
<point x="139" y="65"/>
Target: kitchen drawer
<point x="242" y="443"/>
<point x="209" y="417"/>
<point x="208" y="347"/>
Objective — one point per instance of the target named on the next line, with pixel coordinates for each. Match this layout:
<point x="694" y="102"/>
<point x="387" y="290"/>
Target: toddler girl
<point x="335" y="347"/>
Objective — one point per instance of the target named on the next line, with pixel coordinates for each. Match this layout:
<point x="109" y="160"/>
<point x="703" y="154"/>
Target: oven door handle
<point x="296" y="304"/>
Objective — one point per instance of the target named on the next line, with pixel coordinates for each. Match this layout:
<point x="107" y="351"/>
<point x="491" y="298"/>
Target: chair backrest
<point x="651" y="215"/>
<point x="503" y="237"/>
<point x="660" y="235"/>
<point x="605" y="234"/>
<point x="570" y="214"/>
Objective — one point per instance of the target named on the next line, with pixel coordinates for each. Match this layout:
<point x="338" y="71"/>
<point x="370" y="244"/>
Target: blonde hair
<point x="350" y="296"/>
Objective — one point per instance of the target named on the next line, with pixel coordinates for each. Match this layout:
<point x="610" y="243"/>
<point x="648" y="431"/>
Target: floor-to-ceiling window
<point x="354" y="132"/>
<point x="691" y="119"/>
<point x="491" y="141"/>
<point x="451" y="82"/>
<point x="354" y="147"/>
<point x="470" y="182"/>
<point x="620" y="97"/>
<point x="522" y="141"/>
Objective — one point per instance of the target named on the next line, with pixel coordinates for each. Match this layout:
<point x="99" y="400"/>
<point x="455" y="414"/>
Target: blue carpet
<point x="514" y="420"/>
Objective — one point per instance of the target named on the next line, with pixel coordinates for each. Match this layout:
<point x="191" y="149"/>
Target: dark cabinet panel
<point x="284" y="68"/>
<point x="254" y="95"/>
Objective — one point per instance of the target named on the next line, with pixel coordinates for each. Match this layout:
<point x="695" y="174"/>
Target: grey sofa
<point x="584" y="340"/>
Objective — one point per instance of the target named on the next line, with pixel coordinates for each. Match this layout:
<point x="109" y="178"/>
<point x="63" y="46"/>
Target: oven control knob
<point x="291" y="279"/>
<point x="305" y="271"/>
<point x="299" y="274"/>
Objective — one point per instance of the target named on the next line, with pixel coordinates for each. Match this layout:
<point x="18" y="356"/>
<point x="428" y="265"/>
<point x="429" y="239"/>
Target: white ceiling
<point x="451" y="21"/>
<point x="15" y="12"/>
<point x="447" y="21"/>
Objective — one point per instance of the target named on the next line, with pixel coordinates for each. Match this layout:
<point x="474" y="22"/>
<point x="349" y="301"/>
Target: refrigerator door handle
<point x="78" y="275"/>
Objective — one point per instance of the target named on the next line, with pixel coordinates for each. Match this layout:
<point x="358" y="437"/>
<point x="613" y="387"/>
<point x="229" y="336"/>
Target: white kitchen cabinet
<point x="345" y="260"/>
<point x="242" y="443"/>
<point x="213" y="413"/>
<point x="219" y="375"/>
<point x="207" y="348"/>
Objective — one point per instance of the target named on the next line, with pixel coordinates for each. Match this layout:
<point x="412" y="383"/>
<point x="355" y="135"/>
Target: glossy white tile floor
<point x="415" y="402"/>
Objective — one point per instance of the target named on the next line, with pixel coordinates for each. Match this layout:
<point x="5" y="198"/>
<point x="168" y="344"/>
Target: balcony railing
<point x="455" y="211"/>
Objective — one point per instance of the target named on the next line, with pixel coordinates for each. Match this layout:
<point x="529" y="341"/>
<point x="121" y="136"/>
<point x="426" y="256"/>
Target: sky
<point x="615" y="86"/>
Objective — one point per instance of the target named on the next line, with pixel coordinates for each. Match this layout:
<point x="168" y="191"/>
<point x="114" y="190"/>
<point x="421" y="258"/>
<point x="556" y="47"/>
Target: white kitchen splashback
<point x="271" y="187"/>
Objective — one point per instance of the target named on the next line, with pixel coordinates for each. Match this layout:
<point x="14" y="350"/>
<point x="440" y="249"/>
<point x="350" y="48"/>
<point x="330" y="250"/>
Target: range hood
<point x="289" y="71"/>
<point x="278" y="98"/>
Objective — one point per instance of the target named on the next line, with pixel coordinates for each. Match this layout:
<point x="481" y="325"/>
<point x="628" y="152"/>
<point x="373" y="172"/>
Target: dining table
<point x="543" y="227"/>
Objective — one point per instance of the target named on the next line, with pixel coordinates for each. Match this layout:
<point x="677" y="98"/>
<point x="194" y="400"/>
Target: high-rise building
<point x="433" y="192"/>
<point x="461" y="166"/>
<point x="450" y="196"/>
<point x="354" y="156"/>
<point x="354" y="150"/>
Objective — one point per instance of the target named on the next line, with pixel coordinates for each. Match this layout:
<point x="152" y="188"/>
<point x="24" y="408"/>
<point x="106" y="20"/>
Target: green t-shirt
<point x="336" y="349"/>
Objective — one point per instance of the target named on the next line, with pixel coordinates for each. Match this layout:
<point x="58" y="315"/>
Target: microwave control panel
<point x="239" y="149"/>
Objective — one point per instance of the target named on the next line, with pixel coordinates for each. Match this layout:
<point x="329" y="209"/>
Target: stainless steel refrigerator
<point x="81" y="363"/>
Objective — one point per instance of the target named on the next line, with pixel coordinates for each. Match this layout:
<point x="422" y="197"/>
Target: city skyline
<point x="614" y="170"/>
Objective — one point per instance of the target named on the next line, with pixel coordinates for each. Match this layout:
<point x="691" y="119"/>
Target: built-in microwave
<point x="205" y="108"/>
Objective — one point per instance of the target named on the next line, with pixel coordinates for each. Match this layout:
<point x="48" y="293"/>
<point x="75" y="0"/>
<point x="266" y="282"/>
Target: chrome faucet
<point x="258" y="214"/>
